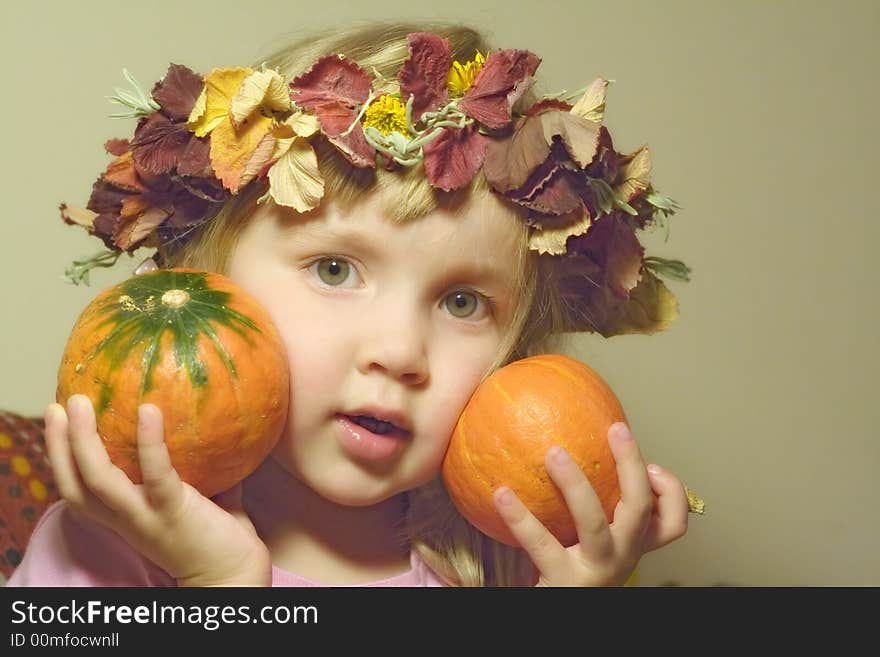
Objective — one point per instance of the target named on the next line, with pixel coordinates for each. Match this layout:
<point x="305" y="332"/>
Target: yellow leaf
<point x="591" y="106"/>
<point x="198" y="110"/>
<point x="553" y="240"/>
<point x="231" y="149"/>
<point x="260" y="89"/>
<point x="651" y="307"/>
<point x="295" y="180"/>
<point x="634" y="176"/>
<point x="221" y="85"/>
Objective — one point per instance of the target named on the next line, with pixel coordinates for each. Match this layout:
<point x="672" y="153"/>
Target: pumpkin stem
<point x="695" y="503"/>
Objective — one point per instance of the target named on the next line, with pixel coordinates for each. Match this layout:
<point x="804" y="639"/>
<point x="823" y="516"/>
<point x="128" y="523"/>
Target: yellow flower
<point x="461" y="76"/>
<point x="387" y="114"/>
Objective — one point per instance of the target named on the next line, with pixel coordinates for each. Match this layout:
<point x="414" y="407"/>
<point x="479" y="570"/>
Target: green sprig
<point x="674" y="269"/>
<point x="78" y="272"/>
<point x="140" y="102"/>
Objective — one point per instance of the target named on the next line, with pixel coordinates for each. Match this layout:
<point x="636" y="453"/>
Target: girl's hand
<point x="653" y="511"/>
<point x="198" y="541"/>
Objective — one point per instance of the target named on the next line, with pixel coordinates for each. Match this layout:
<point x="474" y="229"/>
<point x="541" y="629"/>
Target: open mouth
<point x="378" y="426"/>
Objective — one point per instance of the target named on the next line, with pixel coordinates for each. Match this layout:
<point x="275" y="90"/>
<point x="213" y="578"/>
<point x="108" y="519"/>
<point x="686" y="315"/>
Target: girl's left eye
<point x="461" y="303"/>
<point x="333" y="271"/>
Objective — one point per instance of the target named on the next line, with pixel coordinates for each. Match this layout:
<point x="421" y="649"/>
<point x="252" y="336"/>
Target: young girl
<point x="397" y="288"/>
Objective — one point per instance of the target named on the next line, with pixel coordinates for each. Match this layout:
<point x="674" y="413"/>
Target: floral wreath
<point x="201" y="139"/>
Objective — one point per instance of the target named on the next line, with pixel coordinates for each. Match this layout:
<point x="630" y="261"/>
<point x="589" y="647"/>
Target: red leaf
<point x="510" y="161"/>
<point x="596" y="276"/>
<point x="117" y="147"/>
<point x="547" y="104"/>
<point x="106" y="198"/>
<point x="335" y="118"/>
<point x="425" y="73"/>
<point x="452" y="159"/>
<point x="195" y="159"/>
<point x="178" y="91"/>
<point x="158" y="143"/>
<point x="504" y="78"/>
<point x="559" y="193"/>
<point x="334" y="88"/>
<point x="331" y="79"/>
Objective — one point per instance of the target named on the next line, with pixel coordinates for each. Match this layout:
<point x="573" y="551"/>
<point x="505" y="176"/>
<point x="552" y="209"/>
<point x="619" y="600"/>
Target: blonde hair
<point x="453" y="548"/>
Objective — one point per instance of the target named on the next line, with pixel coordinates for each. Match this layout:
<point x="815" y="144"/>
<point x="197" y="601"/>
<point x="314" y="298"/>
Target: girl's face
<point x="377" y="316"/>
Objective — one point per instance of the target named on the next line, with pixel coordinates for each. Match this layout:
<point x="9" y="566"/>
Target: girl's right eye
<point x="332" y="271"/>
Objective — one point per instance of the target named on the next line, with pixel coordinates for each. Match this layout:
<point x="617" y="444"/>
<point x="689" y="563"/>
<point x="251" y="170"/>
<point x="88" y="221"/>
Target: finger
<point x="548" y="555"/>
<point x="100" y="476"/>
<point x="64" y="471"/>
<point x="586" y="510"/>
<point x="633" y="512"/>
<point x="670" y="519"/>
<point x="161" y="482"/>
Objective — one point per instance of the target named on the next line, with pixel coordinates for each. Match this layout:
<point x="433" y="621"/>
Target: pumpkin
<point x="502" y="436"/>
<point x="201" y="349"/>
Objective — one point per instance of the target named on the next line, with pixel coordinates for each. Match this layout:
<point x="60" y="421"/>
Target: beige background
<point x="761" y="117"/>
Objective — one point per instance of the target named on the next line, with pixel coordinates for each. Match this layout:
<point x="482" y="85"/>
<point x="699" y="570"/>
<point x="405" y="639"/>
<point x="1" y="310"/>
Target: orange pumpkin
<point x="201" y="349"/>
<point x="505" y="430"/>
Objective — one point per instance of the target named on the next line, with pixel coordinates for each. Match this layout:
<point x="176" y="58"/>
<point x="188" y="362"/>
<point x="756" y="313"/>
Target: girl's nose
<point x="398" y="346"/>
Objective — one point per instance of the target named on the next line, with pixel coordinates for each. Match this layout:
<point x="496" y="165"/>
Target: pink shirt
<point x="68" y="550"/>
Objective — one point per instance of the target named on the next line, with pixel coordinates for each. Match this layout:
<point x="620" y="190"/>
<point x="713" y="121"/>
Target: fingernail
<point x="51" y="412"/>
<point x="559" y="455"/>
<point x="75" y="404"/>
<point x="505" y="496"/>
<point x="655" y="469"/>
<point x="621" y="431"/>
<point x="144" y="414"/>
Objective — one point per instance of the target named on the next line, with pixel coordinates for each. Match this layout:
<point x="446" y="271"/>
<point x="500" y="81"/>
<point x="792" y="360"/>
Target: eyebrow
<point x="484" y="274"/>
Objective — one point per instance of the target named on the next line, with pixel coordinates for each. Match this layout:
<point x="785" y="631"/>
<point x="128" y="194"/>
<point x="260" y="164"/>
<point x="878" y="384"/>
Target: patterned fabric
<point x="26" y="486"/>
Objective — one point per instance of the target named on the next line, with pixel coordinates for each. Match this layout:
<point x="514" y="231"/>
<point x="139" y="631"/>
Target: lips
<point x="381" y="420"/>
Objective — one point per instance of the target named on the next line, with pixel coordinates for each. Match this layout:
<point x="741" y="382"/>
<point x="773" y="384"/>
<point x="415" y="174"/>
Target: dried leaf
<point x="598" y="272"/>
<point x="302" y="124"/>
<point x="510" y="161"/>
<point x="129" y="234"/>
<point x="331" y="79"/>
<point x="591" y="105"/>
<point x="74" y="215"/>
<point x="547" y="104"/>
<point x="121" y="173"/>
<point x="651" y="307"/>
<point x="295" y="180"/>
<point x="221" y="86"/>
<point x="425" y="73"/>
<point x="178" y="91"/>
<point x="258" y="159"/>
<point x="231" y="149"/>
<point x="117" y="147"/>
<point x="195" y="160"/>
<point x="452" y="159"/>
<point x="580" y="136"/>
<point x="553" y="240"/>
<point x="634" y="175"/>
<point x="505" y="76"/>
<point x="260" y="89"/>
<point x="159" y="143"/>
<point x="559" y="193"/>
<point x="335" y="119"/>
<point x="198" y="110"/>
